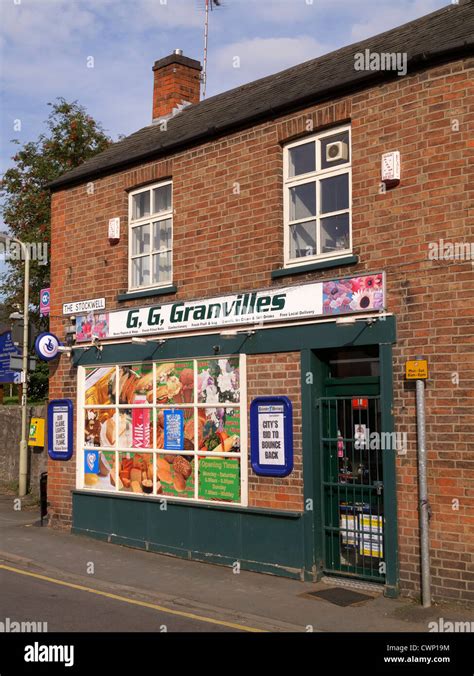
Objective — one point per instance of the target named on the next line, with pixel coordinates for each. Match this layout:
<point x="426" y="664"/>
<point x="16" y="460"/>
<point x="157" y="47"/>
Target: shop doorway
<point x="352" y="472"/>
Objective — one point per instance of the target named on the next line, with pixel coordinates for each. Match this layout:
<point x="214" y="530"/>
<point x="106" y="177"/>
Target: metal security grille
<point x="352" y="475"/>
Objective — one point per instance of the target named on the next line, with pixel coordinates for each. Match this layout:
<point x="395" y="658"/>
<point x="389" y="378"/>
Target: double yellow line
<point x="135" y="602"/>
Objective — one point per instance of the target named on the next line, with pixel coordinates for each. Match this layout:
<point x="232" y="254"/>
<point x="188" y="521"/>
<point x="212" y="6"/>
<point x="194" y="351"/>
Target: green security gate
<point x="352" y="481"/>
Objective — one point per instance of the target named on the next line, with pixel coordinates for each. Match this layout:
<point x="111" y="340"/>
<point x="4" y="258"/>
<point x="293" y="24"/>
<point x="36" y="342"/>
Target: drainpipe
<point x="423" y="494"/>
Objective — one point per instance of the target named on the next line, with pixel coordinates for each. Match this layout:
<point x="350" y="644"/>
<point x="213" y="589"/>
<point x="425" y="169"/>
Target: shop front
<point x="164" y="431"/>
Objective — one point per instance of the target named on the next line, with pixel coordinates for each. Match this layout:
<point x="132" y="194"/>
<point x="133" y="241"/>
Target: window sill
<point x="147" y="293"/>
<point x="311" y="267"/>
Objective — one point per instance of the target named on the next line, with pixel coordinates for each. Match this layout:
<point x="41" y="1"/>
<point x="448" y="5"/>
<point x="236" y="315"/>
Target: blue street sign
<point x="7" y="348"/>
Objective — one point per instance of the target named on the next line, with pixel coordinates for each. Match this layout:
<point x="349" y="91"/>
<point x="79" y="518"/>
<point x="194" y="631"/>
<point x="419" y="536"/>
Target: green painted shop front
<point x="291" y="544"/>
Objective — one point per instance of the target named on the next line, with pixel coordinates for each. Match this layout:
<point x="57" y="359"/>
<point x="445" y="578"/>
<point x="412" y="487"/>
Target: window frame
<point x="316" y="177"/>
<point x="242" y="455"/>
<point x="153" y="217"/>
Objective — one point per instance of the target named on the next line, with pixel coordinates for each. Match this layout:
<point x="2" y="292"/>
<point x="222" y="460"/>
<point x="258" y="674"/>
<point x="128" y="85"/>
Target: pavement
<point x="80" y="584"/>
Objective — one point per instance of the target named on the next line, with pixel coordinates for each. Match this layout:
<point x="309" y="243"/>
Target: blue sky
<point x="45" y="45"/>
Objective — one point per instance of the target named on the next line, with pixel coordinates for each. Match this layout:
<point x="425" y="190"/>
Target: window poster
<point x="219" y="479"/>
<point x="174" y="430"/>
<point x="371" y="535"/>
<point x="169" y="428"/>
<point x="218" y="381"/>
<point x="175" y="474"/>
<point x="97" y="468"/>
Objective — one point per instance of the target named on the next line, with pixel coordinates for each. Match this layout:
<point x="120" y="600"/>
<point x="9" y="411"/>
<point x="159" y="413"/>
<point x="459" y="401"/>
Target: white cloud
<point x="49" y="24"/>
<point x="140" y="15"/>
<point x="261" y="56"/>
<point x="385" y="18"/>
<point x="45" y="24"/>
<point x="282" y="11"/>
<point x="45" y="44"/>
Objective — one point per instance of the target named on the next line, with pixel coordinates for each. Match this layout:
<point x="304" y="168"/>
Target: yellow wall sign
<point x="36" y="437"/>
<point x="417" y="370"/>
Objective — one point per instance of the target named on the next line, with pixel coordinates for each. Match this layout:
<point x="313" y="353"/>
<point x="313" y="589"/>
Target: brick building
<point x="259" y="254"/>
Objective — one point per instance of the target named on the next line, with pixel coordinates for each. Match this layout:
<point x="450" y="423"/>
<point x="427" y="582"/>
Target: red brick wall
<point x="228" y="237"/>
<point x="276" y="374"/>
<point x="173" y="84"/>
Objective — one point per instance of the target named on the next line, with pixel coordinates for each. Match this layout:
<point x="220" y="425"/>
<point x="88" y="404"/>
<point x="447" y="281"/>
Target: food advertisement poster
<point x="152" y="429"/>
<point x="340" y="296"/>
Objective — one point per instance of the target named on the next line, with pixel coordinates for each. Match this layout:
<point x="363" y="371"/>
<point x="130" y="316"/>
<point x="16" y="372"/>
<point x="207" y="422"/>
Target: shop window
<point x="151" y="237"/>
<point x="317" y="197"/>
<point x="167" y="430"/>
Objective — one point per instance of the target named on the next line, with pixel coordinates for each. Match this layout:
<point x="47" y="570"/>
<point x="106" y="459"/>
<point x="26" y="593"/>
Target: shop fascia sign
<point x="331" y="298"/>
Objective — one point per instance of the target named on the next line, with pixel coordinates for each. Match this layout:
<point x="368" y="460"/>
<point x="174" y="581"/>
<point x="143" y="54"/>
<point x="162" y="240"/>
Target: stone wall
<point x="10" y="434"/>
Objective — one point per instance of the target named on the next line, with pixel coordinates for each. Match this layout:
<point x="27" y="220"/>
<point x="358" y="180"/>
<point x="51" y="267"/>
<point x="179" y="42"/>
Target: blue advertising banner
<point x="271" y="436"/>
<point x="60" y="429"/>
<point x="174" y="430"/>
<point x="7" y="348"/>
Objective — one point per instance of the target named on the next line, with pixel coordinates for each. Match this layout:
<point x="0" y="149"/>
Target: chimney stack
<point x="176" y="81"/>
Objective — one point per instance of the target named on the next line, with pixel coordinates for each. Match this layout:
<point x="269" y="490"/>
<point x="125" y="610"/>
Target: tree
<point x="72" y="137"/>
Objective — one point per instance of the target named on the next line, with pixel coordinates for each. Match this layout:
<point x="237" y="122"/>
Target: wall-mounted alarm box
<point x="114" y="231"/>
<point x="391" y="168"/>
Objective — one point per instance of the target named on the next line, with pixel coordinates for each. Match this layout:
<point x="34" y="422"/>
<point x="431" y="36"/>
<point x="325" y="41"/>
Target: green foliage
<point x="72" y="137"/>
<point x="38" y="382"/>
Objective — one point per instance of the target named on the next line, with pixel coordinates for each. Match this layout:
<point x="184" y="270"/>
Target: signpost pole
<point x="420" y="373"/>
<point x="423" y="495"/>
<point x="22" y="486"/>
<point x="24" y="398"/>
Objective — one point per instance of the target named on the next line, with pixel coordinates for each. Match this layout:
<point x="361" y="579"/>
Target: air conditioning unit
<point x="337" y="151"/>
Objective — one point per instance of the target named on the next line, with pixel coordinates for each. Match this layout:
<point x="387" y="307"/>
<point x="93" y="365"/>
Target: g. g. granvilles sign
<point x="329" y="298"/>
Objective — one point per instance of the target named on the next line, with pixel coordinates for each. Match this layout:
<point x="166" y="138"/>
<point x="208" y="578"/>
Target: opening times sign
<point x="271" y="435"/>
